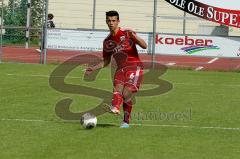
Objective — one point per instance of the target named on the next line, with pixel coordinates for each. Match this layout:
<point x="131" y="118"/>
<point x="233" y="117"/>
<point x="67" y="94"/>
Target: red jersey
<point x="122" y="48"/>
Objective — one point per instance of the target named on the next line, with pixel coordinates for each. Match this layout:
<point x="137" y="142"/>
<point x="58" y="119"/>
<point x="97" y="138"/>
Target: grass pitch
<point x="197" y="119"/>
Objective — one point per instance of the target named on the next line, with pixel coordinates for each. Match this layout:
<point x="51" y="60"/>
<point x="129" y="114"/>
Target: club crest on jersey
<point x="122" y="38"/>
<point x="109" y="45"/>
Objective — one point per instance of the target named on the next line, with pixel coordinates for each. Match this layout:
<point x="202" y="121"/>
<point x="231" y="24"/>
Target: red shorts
<point x="130" y="76"/>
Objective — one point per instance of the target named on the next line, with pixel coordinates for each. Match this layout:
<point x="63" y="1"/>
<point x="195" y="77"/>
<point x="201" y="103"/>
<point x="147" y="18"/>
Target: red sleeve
<point x="106" y="54"/>
<point x="134" y="40"/>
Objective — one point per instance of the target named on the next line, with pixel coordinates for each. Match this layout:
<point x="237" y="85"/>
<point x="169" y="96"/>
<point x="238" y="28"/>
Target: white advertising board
<point x="80" y="40"/>
<point x="198" y="45"/>
<point x="165" y="44"/>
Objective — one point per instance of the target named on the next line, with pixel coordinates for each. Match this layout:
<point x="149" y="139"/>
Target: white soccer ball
<point x="88" y="121"/>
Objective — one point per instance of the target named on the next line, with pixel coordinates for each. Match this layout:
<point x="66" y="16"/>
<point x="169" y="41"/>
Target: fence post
<point x="28" y="23"/>
<point x="154" y="32"/>
<point x="45" y="34"/>
<point x="1" y="32"/>
<point x="42" y="32"/>
<point x="94" y="14"/>
<point x="184" y="23"/>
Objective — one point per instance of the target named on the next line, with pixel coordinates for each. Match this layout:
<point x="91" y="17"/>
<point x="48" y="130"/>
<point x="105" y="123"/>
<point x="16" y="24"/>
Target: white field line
<point x="145" y="125"/>
<point x="199" y="68"/>
<point x="213" y="60"/>
<point x="208" y="84"/>
<point x="171" y="64"/>
<point x="104" y="79"/>
<point x="24" y="120"/>
<point x="189" y="126"/>
<point x="45" y="76"/>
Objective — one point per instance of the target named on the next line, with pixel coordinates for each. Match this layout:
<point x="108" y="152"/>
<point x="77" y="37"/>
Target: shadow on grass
<point x="106" y="125"/>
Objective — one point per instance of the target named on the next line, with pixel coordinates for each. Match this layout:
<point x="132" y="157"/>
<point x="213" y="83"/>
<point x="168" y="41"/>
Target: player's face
<point x="112" y="22"/>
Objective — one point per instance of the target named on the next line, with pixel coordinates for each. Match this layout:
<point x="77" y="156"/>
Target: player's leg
<point x="117" y="98"/>
<point x="130" y="88"/>
<point x="127" y="106"/>
<point x="134" y="78"/>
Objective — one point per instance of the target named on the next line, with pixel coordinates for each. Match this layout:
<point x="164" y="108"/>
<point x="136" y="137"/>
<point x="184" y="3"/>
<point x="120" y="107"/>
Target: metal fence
<point x="137" y="14"/>
<point x="19" y="23"/>
<point x="22" y="22"/>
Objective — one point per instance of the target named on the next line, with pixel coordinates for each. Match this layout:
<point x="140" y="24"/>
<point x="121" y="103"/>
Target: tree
<point x="16" y="16"/>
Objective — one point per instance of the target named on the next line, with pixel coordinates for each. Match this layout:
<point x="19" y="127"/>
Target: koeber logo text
<point x="182" y="41"/>
<point x="188" y="44"/>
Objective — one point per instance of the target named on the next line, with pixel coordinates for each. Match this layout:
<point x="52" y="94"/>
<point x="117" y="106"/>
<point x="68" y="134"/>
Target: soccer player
<point x="121" y="45"/>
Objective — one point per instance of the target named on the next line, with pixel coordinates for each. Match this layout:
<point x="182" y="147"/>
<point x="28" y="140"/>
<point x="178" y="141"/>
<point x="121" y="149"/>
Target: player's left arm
<point x="138" y="40"/>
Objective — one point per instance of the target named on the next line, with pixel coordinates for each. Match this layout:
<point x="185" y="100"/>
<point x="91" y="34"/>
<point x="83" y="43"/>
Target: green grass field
<point x="209" y="127"/>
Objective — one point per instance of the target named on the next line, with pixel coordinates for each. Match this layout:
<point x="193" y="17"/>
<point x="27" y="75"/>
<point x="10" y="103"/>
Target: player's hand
<point x="130" y="32"/>
<point x="89" y="71"/>
<point x="132" y="35"/>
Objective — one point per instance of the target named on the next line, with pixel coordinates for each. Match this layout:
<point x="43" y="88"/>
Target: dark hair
<point x="50" y="16"/>
<point x="112" y="13"/>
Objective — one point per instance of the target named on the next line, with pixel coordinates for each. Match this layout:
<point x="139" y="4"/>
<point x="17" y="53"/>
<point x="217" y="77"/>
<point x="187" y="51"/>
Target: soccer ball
<point x="88" y="121"/>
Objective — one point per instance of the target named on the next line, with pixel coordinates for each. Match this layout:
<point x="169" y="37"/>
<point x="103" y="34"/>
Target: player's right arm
<point x="105" y="62"/>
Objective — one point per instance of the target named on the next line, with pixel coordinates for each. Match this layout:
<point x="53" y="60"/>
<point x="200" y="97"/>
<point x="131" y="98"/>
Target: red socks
<point x="117" y="100"/>
<point x="127" y="108"/>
